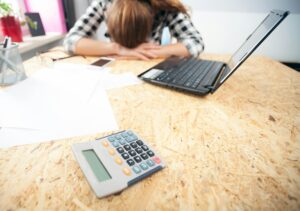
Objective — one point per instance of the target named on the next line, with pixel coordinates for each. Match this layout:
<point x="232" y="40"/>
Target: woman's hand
<point x="147" y="51"/>
<point x="144" y="52"/>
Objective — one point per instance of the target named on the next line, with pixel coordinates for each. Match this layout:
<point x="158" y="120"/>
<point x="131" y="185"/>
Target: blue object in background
<point x="166" y="36"/>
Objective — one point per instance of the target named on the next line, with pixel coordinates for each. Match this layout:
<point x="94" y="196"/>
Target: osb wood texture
<point x="236" y="149"/>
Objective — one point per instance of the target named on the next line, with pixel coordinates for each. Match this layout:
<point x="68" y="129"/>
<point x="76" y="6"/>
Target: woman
<point x="135" y="30"/>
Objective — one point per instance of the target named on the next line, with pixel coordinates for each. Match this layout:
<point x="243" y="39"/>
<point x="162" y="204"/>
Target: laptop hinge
<point x="212" y="87"/>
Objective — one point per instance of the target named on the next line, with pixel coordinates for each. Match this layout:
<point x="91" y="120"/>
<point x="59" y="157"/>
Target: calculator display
<point x="96" y="165"/>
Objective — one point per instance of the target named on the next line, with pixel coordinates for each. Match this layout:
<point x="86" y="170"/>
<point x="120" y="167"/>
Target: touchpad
<point x="153" y="73"/>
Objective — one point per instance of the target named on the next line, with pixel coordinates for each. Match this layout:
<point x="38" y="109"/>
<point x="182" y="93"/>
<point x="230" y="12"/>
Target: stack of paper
<point x="58" y="103"/>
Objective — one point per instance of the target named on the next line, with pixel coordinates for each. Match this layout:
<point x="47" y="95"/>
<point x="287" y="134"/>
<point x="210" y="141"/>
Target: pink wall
<point x="51" y="12"/>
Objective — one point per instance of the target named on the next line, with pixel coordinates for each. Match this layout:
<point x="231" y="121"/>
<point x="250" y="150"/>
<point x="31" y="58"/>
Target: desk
<point x="236" y="149"/>
<point x="32" y="45"/>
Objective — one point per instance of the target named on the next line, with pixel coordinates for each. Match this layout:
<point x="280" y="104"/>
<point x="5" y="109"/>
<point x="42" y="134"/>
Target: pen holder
<point x="11" y="65"/>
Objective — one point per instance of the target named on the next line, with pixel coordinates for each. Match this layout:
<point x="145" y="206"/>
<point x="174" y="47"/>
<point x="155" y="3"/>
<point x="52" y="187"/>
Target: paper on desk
<point x="45" y="98"/>
<point x="96" y="118"/>
<point x="113" y="81"/>
<point x="51" y="96"/>
<point x="59" y="103"/>
<point x="108" y="80"/>
<point x="54" y="105"/>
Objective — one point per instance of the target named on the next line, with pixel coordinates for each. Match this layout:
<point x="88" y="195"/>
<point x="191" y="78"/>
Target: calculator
<point x="113" y="163"/>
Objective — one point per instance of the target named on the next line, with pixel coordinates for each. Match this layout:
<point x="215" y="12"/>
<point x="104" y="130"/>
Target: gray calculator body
<point x="112" y="163"/>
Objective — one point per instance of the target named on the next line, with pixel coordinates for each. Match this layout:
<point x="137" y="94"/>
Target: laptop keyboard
<point x="191" y="73"/>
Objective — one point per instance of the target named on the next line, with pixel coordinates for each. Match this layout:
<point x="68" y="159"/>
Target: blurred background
<point x="224" y="25"/>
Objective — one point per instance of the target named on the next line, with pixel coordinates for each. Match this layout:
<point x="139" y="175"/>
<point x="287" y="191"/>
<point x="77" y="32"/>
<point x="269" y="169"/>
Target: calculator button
<point x="134" y="137"/>
<point x="144" y="156"/>
<point x="134" y="145"/>
<point x="145" y="148"/>
<point x="127" y="147"/>
<point x="136" y="169"/>
<point x="126" y="171"/>
<point x="130" y="162"/>
<point x="144" y="166"/>
<point x="118" y="137"/>
<point x="139" y="142"/>
<point x="137" y="159"/>
<point x="132" y="153"/>
<point x="157" y="160"/>
<point x="125" y="156"/>
<point x="120" y="150"/>
<point x="150" y="163"/>
<point x="150" y="153"/>
<point x="118" y="160"/>
<point x="111" y="139"/>
<point x="129" y="139"/>
<point x="139" y="150"/>
<point x="122" y="141"/>
<point x="111" y="151"/>
<point x="124" y="135"/>
<point x="115" y="144"/>
<point x="105" y="143"/>
<point x="130" y="133"/>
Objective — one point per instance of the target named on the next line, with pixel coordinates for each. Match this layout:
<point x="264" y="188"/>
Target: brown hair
<point x="130" y="22"/>
<point x="168" y="5"/>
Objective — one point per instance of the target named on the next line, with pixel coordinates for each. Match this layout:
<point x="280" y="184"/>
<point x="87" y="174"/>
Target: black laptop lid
<point x="273" y="19"/>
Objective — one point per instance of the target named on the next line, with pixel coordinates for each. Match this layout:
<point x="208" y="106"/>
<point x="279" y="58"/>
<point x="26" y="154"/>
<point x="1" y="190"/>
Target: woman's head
<point x="130" y="22"/>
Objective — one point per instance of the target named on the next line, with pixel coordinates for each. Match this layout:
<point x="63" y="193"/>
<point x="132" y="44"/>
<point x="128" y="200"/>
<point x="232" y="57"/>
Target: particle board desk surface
<point x="236" y="149"/>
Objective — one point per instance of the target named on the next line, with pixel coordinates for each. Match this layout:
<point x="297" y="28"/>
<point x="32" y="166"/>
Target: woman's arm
<point x="177" y="49"/>
<point x="145" y="51"/>
<point x="86" y="26"/>
<point x="182" y="28"/>
<point x="152" y="51"/>
<point x="90" y="47"/>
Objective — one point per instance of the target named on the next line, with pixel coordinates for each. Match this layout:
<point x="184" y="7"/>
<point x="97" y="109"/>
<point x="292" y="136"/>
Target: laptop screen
<point x="253" y="41"/>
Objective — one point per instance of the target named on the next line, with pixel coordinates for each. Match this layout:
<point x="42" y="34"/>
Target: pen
<point x="5" y="60"/>
<point x="2" y="66"/>
<point x="5" y="43"/>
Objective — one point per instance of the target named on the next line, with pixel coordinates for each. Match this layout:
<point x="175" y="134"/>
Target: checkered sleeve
<point x="182" y="28"/>
<point x="86" y="25"/>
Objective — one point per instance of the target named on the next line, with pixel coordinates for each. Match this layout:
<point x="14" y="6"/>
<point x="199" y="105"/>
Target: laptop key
<point x="202" y="75"/>
<point x="199" y="68"/>
<point x="216" y="69"/>
<point x="181" y="71"/>
<point x="171" y="75"/>
<point x="210" y="77"/>
<point x="188" y="74"/>
<point x="204" y="68"/>
<point x="162" y="76"/>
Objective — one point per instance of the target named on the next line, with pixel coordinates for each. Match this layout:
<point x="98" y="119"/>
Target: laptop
<point x="201" y="77"/>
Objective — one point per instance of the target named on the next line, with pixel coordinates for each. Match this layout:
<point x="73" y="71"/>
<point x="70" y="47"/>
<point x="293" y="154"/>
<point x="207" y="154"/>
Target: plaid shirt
<point x="179" y="24"/>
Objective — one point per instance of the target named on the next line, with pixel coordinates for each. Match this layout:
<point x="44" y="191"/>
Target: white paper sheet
<point x="54" y="104"/>
<point x="108" y="80"/>
<point x="113" y="81"/>
<point x="96" y="118"/>
<point x="43" y="99"/>
<point x="59" y="103"/>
